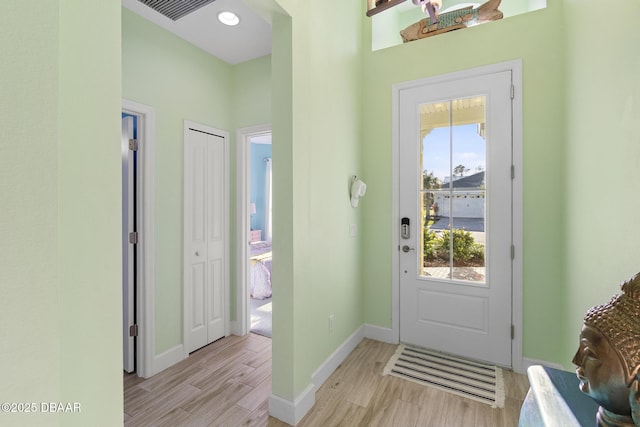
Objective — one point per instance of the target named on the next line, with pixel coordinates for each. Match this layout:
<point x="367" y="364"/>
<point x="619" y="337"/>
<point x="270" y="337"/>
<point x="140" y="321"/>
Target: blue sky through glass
<point x="468" y="149"/>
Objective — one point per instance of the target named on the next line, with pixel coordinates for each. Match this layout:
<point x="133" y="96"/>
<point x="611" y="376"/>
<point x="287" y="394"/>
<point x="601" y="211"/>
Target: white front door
<point x="455" y="208"/>
<point x="128" y="249"/>
<point x="205" y="238"/>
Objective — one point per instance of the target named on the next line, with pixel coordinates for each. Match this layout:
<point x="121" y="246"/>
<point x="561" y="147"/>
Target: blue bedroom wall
<point x="135" y="124"/>
<point x="258" y="170"/>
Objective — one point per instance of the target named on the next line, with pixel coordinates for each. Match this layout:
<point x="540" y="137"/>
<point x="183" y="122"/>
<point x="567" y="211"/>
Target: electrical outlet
<point x="331" y="318"/>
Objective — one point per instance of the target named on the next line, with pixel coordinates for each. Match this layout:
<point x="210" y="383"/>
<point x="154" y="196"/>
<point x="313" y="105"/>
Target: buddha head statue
<point x="608" y="357"/>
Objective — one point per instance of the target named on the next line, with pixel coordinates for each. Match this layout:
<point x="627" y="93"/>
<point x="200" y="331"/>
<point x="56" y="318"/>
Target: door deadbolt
<point x="405" y="232"/>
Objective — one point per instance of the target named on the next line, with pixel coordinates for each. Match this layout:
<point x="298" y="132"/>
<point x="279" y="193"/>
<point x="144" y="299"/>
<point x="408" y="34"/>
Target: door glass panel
<point x="453" y="190"/>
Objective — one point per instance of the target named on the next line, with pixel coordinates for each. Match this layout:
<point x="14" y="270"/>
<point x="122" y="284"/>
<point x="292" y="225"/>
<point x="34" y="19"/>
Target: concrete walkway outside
<point x="468" y="224"/>
<point x="472" y="274"/>
<point x="473" y="225"/>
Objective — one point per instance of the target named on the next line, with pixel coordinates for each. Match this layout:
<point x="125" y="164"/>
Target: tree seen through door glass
<point x="453" y="191"/>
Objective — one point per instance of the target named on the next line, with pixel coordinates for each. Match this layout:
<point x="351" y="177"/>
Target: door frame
<point x="227" y="253"/>
<point x="145" y="297"/>
<point x="515" y="66"/>
<point x="242" y="325"/>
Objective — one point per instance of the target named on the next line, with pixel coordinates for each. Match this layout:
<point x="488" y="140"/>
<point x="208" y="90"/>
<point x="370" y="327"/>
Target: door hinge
<point x="513" y="252"/>
<point x="513" y="172"/>
<point x="513" y="91"/>
<point x="133" y="330"/>
<point x="133" y="144"/>
<point x="513" y="332"/>
<point x="133" y="237"/>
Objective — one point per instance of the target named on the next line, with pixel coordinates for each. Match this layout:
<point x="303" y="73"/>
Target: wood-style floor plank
<point x="228" y="383"/>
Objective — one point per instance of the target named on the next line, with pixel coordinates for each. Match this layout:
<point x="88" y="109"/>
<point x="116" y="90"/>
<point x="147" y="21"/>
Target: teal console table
<point x="555" y="400"/>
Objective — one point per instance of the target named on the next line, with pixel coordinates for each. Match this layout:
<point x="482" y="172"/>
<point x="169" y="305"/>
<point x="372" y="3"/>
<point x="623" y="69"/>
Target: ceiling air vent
<point x="175" y="9"/>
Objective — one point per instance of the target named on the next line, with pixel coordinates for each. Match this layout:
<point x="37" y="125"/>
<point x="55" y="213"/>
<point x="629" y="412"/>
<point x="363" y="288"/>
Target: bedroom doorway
<point x="260" y="255"/>
<point x="254" y="293"/>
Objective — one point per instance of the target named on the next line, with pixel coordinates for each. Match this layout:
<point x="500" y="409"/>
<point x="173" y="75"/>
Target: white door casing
<point x="205" y="235"/>
<point x="468" y="319"/>
<point x="127" y="248"/>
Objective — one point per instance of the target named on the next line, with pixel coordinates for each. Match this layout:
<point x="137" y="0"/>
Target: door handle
<point x="406" y="248"/>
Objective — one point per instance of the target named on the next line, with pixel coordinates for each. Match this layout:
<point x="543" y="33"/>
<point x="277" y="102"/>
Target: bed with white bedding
<point x="260" y="270"/>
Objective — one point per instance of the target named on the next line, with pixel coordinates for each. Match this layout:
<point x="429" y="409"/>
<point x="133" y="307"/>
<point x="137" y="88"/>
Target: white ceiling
<point x="250" y="39"/>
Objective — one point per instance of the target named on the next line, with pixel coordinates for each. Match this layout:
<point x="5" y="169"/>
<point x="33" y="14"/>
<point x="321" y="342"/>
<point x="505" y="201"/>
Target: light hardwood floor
<point x="228" y="383"/>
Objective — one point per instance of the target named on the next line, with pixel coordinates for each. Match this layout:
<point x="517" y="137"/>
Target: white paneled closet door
<point x="205" y="238"/>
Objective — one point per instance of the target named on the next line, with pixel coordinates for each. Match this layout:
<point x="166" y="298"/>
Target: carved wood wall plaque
<point x="454" y="20"/>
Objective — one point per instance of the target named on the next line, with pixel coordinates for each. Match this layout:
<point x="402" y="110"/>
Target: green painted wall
<point x="181" y="82"/>
<point x="283" y="357"/>
<point x="603" y="157"/>
<point x="543" y="55"/>
<point x="250" y="106"/>
<point x="59" y="179"/>
<point x="251" y="100"/>
<point x="89" y="212"/>
<point x="580" y="152"/>
<point x="316" y="271"/>
<point x="326" y="140"/>
<point x="29" y="308"/>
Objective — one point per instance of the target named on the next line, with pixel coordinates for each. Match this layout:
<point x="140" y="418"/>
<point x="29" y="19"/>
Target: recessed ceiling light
<point x="228" y="18"/>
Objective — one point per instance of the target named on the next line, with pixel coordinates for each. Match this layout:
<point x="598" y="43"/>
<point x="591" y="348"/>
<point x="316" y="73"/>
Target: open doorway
<point x="260" y="234"/>
<point x="137" y="238"/>
<point x="129" y="239"/>
<point x="254" y="255"/>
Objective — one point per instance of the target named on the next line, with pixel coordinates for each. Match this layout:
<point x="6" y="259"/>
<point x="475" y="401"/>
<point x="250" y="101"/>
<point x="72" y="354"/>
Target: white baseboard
<point x="379" y="333"/>
<point x="166" y="359"/>
<point x="292" y="412"/>
<point x="234" y="328"/>
<point x="531" y="362"/>
<point x="331" y="364"/>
